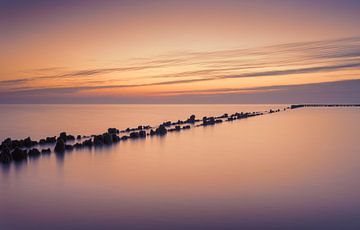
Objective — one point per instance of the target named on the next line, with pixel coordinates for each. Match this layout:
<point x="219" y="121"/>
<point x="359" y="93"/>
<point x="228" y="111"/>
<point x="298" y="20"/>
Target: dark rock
<point x="19" y="154"/>
<point x="70" y="138"/>
<point x="28" y="142"/>
<point x="51" y="140"/>
<point x="62" y="136"/>
<point x="115" y="138"/>
<point x="78" y="145"/>
<point x="152" y="132"/>
<point x="134" y="135"/>
<point x="191" y="119"/>
<point x="34" y="152"/>
<point x="140" y="127"/>
<point x="186" y="127"/>
<point x="7" y="143"/>
<point x="98" y="140"/>
<point x="177" y="128"/>
<point x="113" y="130"/>
<point x="60" y="146"/>
<point x="142" y="134"/>
<point x="167" y="123"/>
<point x="42" y="142"/>
<point x="88" y="143"/>
<point x="107" y="137"/>
<point x="69" y="147"/>
<point x="78" y="137"/>
<point x="5" y="156"/>
<point x="161" y="130"/>
<point x="124" y="138"/>
<point x="208" y="121"/>
<point x="46" y="151"/>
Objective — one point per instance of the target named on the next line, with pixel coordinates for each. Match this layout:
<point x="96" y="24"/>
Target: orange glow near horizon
<point x="178" y="48"/>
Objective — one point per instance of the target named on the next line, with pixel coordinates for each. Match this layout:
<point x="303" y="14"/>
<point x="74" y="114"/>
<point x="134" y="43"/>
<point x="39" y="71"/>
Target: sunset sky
<point x="251" y="51"/>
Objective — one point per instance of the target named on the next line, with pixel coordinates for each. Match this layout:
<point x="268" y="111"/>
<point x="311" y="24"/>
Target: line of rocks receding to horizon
<point x="323" y="105"/>
<point x="20" y="150"/>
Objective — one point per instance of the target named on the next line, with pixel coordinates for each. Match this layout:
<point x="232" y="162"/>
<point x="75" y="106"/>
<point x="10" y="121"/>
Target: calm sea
<point x="297" y="169"/>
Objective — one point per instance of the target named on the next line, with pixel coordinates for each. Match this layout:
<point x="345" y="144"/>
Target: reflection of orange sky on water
<point x="273" y="164"/>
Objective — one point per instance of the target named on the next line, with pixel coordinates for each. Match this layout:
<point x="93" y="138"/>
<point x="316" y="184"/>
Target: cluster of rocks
<point x="18" y="150"/>
<point x="323" y="105"/>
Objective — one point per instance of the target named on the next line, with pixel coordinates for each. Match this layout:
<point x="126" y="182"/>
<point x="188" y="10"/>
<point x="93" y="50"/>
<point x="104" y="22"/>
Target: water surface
<point x="296" y="169"/>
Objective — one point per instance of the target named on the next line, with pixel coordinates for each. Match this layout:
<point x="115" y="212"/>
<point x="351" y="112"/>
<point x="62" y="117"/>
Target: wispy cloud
<point x="188" y="68"/>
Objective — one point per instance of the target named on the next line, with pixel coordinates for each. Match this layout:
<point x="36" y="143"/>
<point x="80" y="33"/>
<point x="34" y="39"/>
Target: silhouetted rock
<point x="186" y="127"/>
<point x="113" y="130"/>
<point x="98" y="140"/>
<point x="60" y="146"/>
<point x="78" y="137"/>
<point x="177" y="128"/>
<point x="70" y="138"/>
<point x="142" y="134"/>
<point x="167" y="123"/>
<point x="34" y="152"/>
<point x="88" y="143"/>
<point x="191" y="119"/>
<point x="42" y="142"/>
<point x="134" y="135"/>
<point x="28" y="142"/>
<point x="62" y="136"/>
<point x="19" y="154"/>
<point x="78" y="145"/>
<point x="46" y="151"/>
<point x="161" y="130"/>
<point x="7" y="143"/>
<point x="107" y="139"/>
<point x="5" y="156"/>
<point x="124" y="138"/>
<point x="69" y="147"/>
<point x="152" y="132"/>
<point x="208" y="121"/>
<point x="115" y="138"/>
<point x="51" y="140"/>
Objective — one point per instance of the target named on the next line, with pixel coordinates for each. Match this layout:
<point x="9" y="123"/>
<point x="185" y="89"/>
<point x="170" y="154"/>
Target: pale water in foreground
<point x="294" y="169"/>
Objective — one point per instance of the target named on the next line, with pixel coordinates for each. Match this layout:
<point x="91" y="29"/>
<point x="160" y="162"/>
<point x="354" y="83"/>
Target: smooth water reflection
<point x="296" y="169"/>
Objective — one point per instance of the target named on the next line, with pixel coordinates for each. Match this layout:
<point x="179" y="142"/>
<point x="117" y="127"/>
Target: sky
<point x="251" y="51"/>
